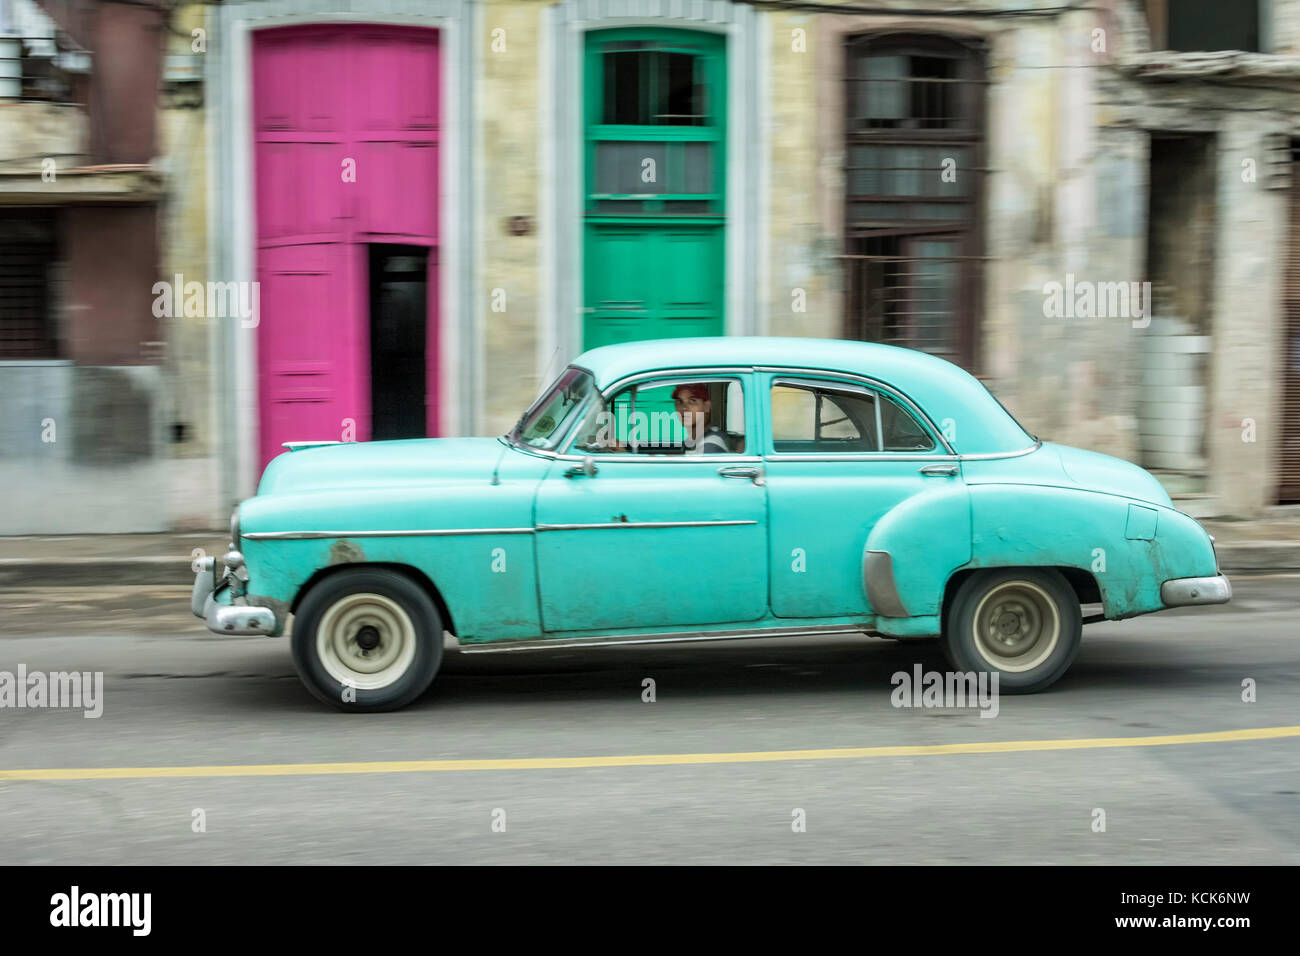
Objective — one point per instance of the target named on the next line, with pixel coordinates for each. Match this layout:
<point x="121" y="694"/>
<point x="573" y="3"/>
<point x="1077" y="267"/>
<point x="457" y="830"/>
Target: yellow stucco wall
<point x="799" y="274"/>
<point x="506" y="160"/>
<point x="182" y="141"/>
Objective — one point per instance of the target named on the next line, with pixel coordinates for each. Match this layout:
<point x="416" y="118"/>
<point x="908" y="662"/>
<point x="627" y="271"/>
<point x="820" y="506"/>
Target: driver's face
<point x="692" y="410"/>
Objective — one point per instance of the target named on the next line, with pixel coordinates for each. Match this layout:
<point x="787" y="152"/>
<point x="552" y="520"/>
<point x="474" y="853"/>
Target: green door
<point x="655" y="154"/>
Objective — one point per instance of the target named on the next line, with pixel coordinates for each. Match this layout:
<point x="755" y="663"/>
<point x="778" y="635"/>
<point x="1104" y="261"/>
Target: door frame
<point x="746" y="306"/>
<point x="232" y="220"/>
<point x="861" y="469"/>
<point x="610" y="465"/>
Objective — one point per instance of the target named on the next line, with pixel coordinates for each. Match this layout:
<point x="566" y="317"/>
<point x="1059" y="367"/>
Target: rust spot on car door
<point x="346" y="552"/>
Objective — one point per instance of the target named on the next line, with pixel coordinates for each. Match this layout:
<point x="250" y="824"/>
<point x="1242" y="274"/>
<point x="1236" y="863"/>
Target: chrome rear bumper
<point x="1183" y="592"/>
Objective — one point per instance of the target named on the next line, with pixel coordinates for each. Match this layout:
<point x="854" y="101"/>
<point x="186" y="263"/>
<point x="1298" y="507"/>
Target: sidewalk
<point x="79" y="560"/>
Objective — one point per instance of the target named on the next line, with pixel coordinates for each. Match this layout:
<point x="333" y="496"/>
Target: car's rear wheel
<point x="367" y="639"/>
<point x="1024" y="625"/>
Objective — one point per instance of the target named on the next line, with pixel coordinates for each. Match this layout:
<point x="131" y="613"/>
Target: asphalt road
<point x="176" y="696"/>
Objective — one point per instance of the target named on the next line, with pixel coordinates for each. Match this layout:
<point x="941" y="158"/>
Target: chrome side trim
<point x="616" y="458"/>
<point x="878" y="581"/>
<point x="680" y="637"/>
<point x="994" y="455"/>
<point x="862" y="456"/>
<point x="1187" y="592"/>
<point x="300" y="445"/>
<point x="639" y="524"/>
<point x="416" y="533"/>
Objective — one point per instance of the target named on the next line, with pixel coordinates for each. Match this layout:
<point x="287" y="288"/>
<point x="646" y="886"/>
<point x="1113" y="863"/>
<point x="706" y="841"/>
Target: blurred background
<point x="228" y="225"/>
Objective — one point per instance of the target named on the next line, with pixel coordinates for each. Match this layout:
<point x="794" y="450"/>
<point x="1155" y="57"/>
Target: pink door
<point x="346" y="126"/>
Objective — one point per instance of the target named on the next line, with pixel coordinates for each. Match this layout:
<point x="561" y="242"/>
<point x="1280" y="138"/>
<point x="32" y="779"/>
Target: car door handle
<point x="756" y="475"/>
<point x="934" y="471"/>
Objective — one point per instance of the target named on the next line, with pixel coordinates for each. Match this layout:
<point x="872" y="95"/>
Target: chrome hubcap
<point x="366" y="641"/>
<point x="1017" y="626"/>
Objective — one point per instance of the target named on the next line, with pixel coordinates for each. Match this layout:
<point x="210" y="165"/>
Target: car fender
<point x="477" y="549"/>
<point x="1129" y="547"/>
<point x="923" y="539"/>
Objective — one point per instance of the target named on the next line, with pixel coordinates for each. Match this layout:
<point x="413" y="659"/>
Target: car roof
<point x="972" y="419"/>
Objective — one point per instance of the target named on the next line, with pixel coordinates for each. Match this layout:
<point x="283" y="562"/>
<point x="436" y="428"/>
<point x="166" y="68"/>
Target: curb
<point x="89" y="572"/>
<point x="1259" y="556"/>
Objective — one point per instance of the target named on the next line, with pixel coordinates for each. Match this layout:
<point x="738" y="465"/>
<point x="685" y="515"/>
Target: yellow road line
<point x="640" y="760"/>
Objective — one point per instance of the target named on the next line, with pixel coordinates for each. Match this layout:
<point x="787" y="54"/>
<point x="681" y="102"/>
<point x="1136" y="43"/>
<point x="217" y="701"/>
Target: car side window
<point x="679" y="416"/>
<point x="899" y="431"/>
<point x="809" y="419"/>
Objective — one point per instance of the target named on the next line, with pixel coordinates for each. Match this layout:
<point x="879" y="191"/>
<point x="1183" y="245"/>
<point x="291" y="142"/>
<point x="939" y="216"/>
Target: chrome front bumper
<point x="226" y="618"/>
<point x="1182" y="592"/>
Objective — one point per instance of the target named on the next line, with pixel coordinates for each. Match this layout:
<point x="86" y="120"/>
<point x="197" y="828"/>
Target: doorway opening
<point x="399" y="280"/>
<point x="1173" y="397"/>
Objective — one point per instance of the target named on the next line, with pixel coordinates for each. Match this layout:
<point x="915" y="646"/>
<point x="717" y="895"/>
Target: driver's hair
<point x="695" y="390"/>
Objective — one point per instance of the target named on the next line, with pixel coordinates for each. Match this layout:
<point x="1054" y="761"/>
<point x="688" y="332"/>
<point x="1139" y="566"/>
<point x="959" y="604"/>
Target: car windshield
<point x="545" y="423"/>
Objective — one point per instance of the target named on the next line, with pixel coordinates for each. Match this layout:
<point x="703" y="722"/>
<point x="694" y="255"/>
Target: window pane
<point x="882" y="94"/>
<point x="935" y="293"/>
<point x="1213" y="25"/>
<point x="622" y="168"/>
<point x="646" y="87"/>
<point x="697" y="169"/>
<point x="649" y="419"/>
<point x="792" y="414"/>
<point x="909" y="171"/>
<point x="906" y="89"/>
<point x="543" y="425"/>
<point x="807" y="420"/>
<point x="681" y="101"/>
<point x="625" y="75"/>
<point x="900" y="430"/>
<point x="933" y="94"/>
<point x="834" y="422"/>
<point x="688" y="207"/>
<point x="28" y="257"/>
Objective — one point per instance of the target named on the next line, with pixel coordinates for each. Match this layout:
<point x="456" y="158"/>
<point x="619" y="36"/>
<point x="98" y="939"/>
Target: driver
<point x="694" y="407"/>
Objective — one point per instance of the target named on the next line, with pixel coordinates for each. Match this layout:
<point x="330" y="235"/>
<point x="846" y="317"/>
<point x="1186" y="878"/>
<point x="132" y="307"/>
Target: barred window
<point x="27" y="258"/>
<point x="914" y="125"/>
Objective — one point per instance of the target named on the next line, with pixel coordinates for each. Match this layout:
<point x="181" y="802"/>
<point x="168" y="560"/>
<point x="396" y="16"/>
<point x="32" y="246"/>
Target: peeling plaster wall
<point x="1286" y="27"/>
<point x="1066" y="193"/>
<point x="193" y="502"/>
<point x="1248" y="106"/>
<point x="83" y="449"/>
<point x="508" y="164"/>
<point x="1245" y="377"/>
<point x="1063" y="194"/>
<point x="806" y="151"/>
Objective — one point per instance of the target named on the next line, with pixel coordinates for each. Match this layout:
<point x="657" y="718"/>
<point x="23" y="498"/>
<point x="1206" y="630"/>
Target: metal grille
<point x="907" y="290"/>
<point x="27" y="253"/>
<point x="914" y="136"/>
<point x="1289" y="453"/>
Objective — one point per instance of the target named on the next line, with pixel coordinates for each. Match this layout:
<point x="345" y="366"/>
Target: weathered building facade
<point x="82" y="391"/>
<point x="435" y="204"/>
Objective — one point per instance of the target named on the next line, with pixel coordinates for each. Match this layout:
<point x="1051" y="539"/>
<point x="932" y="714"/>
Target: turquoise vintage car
<point x="701" y="489"/>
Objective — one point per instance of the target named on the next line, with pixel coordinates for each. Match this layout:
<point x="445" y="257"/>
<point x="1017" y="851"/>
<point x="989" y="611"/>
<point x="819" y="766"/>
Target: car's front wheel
<point x="1024" y="625"/>
<point x="367" y="639"/>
